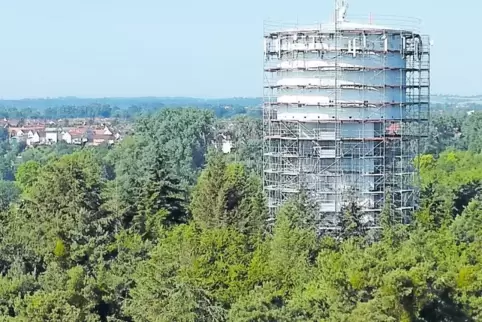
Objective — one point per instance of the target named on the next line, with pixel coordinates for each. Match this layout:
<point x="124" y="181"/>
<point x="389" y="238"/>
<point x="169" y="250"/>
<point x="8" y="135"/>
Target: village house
<point x="35" y="137"/>
<point x="4" y="123"/>
<point x="80" y="135"/>
<point x="43" y="132"/>
<point x="107" y="131"/>
<point x="52" y="135"/>
<point x="22" y="134"/>
<point x="13" y="123"/>
<point x="99" y="139"/>
<point x="105" y="135"/>
<point x="17" y="134"/>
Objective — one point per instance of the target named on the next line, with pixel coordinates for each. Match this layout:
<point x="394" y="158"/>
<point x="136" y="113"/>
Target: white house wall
<point x="51" y="137"/>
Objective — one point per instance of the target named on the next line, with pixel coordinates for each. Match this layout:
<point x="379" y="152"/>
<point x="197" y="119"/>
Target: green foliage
<point x="43" y="154"/>
<point x="472" y="136"/>
<point x="351" y="223"/>
<point x="59" y="249"/>
<point x="467" y="227"/>
<point x="183" y="135"/>
<point x="168" y="285"/>
<point x="227" y="196"/>
<point x="457" y="130"/>
<point x="8" y="159"/>
<point x="27" y="174"/>
<point x="9" y="193"/>
<point x="119" y="108"/>
<point x="119" y="235"/>
<point x="449" y="183"/>
<point x="3" y="134"/>
<point x="445" y="133"/>
<point x="145" y="193"/>
<point x="246" y="136"/>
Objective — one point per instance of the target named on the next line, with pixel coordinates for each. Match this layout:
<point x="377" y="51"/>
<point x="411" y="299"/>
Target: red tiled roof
<point x="103" y="137"/>
<point x="25" y="129"/>
<point x="78" y="131"/>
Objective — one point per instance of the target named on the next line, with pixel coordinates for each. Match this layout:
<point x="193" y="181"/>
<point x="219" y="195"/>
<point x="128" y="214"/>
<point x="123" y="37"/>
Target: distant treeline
<point x="124" y="102"/>
<point x="127" y="108"/>
<point x="119" y="108"/>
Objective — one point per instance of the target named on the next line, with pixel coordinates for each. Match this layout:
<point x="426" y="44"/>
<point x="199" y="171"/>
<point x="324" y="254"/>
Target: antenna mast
<point x="340" y="7"/>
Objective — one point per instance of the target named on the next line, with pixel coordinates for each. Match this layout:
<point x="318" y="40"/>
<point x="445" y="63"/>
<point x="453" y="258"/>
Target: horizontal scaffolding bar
<point x="341" y="121"/>
<point x="358" y="139"/>
<point x="357" y="87"/>
<point x="349" y="104"/>
<point x="332" y="68"/>
<point x="328" y="30"/>
<point x="345" y="51"/>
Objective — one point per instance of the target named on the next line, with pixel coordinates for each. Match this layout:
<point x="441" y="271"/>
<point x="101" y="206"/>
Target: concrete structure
<point x="345" y="106"/>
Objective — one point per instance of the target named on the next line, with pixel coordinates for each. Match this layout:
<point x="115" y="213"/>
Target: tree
<point x="471" y="132"/>
<point x="352" y="223"/>
<point x="3" y="134"/>
<point x="183" y="134"/>
<point x="227" y="196"/>
<point x="167" y="286"/>
<point x="9" y="193"/>
<point x="27" y="174"/>
<point x="145" y="193"/>
<point x="105" y="234"/>
<point x="63" y="204"/>
<point x="246" y="134"/>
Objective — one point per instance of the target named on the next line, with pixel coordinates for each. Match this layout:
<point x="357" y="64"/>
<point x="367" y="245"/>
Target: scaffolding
<point x="345" y="108"/>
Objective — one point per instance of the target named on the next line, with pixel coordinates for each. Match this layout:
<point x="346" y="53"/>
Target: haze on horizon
<point x="207" y="49"/>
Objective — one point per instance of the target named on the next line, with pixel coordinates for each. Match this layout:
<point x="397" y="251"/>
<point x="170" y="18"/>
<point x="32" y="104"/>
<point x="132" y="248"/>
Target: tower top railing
<point x="388" y="22"/>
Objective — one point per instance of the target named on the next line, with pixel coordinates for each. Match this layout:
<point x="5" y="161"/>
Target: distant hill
<point x="124" y="102"/>
<point x="155" y="102"/>
<point x="456" y="99"/>
<point x="120" y="107"/>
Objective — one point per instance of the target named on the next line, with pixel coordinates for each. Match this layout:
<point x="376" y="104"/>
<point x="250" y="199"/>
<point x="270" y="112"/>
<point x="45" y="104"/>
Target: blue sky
<point x="210" y="48"/>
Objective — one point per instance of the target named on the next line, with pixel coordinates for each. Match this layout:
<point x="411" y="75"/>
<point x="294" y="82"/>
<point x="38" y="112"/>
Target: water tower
<point x="346" y="105"/>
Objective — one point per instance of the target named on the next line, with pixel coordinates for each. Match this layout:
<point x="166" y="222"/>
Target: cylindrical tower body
<point x="345" y="106"/>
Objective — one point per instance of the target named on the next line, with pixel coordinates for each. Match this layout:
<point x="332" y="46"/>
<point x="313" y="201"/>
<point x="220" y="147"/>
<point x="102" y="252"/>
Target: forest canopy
<point x="165" y="227"/>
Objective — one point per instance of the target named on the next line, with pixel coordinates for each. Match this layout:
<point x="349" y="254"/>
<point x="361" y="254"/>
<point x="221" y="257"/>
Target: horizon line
<point x="172" y="97"/>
